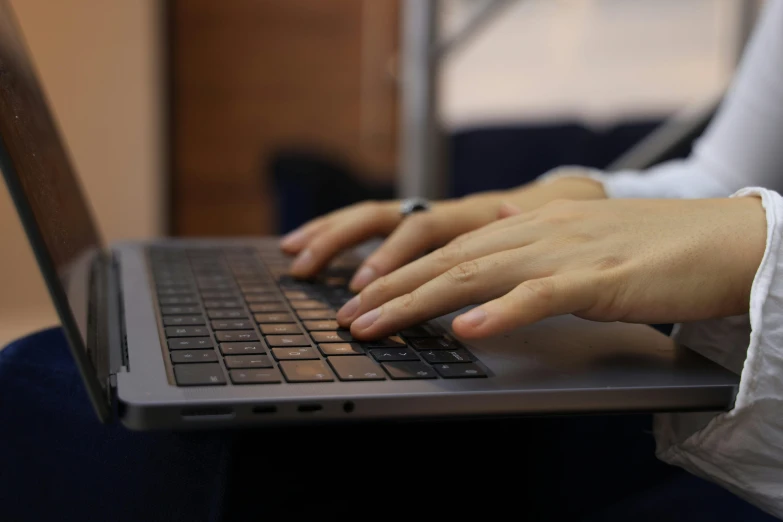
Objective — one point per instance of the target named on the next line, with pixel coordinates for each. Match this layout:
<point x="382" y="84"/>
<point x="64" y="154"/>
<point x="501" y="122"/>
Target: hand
<point x="318" y="241"/>
<point x="647" y="261"/>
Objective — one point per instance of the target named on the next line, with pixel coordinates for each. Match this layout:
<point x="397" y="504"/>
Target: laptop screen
<point x="43" y="185"/>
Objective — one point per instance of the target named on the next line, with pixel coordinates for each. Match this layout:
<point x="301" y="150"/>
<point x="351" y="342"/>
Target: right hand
<point x="317" y="242"/>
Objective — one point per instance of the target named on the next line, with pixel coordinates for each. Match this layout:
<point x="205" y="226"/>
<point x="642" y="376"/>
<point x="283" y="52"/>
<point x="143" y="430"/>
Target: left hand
<point x="645" y="261"/>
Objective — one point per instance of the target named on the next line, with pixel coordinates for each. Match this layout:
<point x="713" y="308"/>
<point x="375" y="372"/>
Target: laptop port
<point x="264" y="410"/>
<point x="308" y="408"/>
<point x="349" y="406"/>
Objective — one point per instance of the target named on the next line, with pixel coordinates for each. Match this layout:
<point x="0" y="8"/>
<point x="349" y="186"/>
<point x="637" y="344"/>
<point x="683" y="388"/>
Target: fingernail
<point x="363" y="277"/>
<point x="367" y="320"/>
<point x="291" y="239"/>
<point x="473" y="318"/>
<point x="350" y="307"/>
<point x="302" y="261"/>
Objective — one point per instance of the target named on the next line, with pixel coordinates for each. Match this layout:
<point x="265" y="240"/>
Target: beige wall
<point x="99" y="63"/>
<point x="596" y="60"/>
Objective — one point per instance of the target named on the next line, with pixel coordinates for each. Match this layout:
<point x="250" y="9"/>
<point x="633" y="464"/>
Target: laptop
<point x="194" y="333"/>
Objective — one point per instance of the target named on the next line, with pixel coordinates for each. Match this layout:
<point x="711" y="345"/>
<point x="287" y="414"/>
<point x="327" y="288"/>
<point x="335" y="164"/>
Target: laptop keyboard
<point x="232" y="316"/>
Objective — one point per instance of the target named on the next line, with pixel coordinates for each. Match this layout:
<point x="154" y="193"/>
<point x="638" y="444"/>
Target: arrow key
<point x="409" y="370"/>
<point x="356" y="368"/>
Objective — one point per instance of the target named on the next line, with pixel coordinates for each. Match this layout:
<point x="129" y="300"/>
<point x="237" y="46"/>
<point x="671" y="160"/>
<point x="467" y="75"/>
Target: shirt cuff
<point x="740" y="449"/>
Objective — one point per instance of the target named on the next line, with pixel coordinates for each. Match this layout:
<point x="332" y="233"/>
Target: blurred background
<point x="246" y="117"/>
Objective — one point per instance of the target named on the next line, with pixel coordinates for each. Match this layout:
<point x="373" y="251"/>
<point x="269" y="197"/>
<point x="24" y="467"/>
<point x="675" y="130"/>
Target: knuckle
<point x="409" y="300"/>
<point x="422" y="224"/>
<point x="558" y="212"/>
<point x="379" y="287"/>
<point x="464" y="273"/>
<point x="451" y="253"/>
<point x="541" y="290"/>
<point x="460" y="239"/>
<point x="609" y="262"/>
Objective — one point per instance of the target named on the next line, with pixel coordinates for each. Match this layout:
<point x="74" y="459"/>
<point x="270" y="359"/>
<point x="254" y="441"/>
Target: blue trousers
<point x="58" y="463"/>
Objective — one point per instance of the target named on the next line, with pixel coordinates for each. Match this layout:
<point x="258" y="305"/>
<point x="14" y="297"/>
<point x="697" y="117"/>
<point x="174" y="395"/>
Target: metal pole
<point x="421" y="170"/>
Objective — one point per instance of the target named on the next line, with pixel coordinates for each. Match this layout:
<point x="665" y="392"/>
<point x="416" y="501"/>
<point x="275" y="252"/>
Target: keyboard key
<point x="288" y="340"/>
<point x="256" y="289"/>
<point x="269" y="376"/>
<point x="441" y="343"/>
<point x="232" y="325"/>
<point x="248" y="361"/>
<point x="186" y="331"/>
<point x="274" y="318"/>
<point x="191" y="343"/>
<point x="207" y="374"/>
<point x="178" y="301"/>
<point x="282" y="354"/>
<point x="268" y="307"/>
<point x="222" y="303"/>
<point x="180" y="310"/>
<point x="209" y="279"/>
<point x="409" y="370"/>
<point x="165" y="282"/>
<point x="341" y="349"/>
<point x="386" y="342"/>
<point x="182" y="320"/>
<point x="306" y="371"/>
<point x="215" y="286"/>
<point x="326" y="313"/>
<point x="175" y="291"/>
<point x="422" y="330"/>
<point x="280" y="329"/>
<point x="339" y="336"/>
<point x="308" y="304"/>
<point x="446" y="356"/>
<point x="193" y="356"/>
<point x="393" y="354"/>
<point x="227" y="314"/>
<point x="328" y="324"/>
<point x="256" y="348"/>
<point x="356" y="369"/>
<point x="267" y="297"/>
<point x="218" y="294"/>
<point x="296" y="294"/>
<point x="228" y="336"/>
<point x="454" y="371"/>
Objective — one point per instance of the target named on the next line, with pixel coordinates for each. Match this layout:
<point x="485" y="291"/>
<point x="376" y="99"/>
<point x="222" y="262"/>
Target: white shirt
<point x="742" y="449"/>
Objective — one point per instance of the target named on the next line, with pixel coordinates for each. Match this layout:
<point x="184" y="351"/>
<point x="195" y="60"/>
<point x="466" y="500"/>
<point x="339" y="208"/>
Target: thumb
<point x="508" y="210"/>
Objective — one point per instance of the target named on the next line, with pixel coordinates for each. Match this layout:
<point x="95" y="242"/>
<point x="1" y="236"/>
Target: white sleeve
<point x="742" y="146"/>
<point x="742" y="449"/>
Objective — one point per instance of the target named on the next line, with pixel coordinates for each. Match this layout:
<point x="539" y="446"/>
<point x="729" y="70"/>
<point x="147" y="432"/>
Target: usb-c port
<point x="307" y="408"/>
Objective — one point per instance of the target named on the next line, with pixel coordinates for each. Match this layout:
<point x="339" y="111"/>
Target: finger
<point x="411" y="276"/>
<point x="529" y="302"/>
<point x="467" y="283"/>
<point x="414" y="236"/>
<point x="298" y="238"/>
<point x="349" y="229"/>
<point x="507" y="210"/>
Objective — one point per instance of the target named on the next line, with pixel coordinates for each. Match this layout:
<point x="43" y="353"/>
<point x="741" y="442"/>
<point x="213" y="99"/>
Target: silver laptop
<point x="180" y="334"/>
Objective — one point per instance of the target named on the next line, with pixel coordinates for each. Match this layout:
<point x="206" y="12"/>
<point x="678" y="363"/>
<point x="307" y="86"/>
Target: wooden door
<point x="248" y="77"/>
